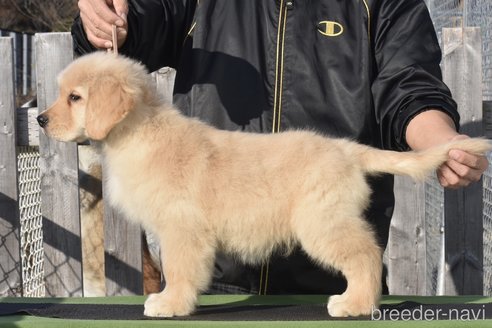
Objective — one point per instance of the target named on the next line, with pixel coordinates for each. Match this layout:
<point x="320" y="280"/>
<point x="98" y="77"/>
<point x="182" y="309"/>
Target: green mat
<point x="280" y="309"/>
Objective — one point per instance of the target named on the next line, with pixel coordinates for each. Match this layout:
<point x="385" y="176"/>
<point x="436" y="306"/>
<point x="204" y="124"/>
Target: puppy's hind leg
<point x="359" y="258"/>
<point x="187" y="260"/>
<point x="347" y="245"/>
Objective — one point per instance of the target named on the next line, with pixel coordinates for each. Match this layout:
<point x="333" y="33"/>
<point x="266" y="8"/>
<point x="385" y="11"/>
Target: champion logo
<point x="330" y="28"/>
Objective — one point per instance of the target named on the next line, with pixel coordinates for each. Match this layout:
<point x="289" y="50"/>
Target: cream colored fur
<point x="200" y="189"/>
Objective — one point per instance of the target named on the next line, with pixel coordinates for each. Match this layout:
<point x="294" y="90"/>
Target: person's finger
<point x="100" y="15"/>
<point x="96" y="37"/>
<point x="121" y="9"/>
<point x="471" y="171"/>
<point x="471" y="160"/>
<point x="449" y="179"/>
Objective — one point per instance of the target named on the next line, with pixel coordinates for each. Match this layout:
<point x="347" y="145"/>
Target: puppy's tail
<point x="416" y="164"/>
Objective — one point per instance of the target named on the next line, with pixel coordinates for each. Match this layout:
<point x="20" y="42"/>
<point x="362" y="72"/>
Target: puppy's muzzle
<point x="42" y="120"/>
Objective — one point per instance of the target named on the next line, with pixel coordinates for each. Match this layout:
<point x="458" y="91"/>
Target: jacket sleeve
<point x="157" y="30"/>
<point x="408" y="76"/>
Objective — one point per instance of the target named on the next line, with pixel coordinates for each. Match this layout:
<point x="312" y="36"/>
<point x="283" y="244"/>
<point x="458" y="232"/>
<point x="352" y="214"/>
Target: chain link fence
<point x="31" y="228"/>
<point x="487" y="230"/>
<point x="461" y="13"/>
<point x="434" y="232"/>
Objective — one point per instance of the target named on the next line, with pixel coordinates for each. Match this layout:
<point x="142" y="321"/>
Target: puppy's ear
<point x="108" y="104"/>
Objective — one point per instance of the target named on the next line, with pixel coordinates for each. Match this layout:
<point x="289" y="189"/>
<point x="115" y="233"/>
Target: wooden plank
<point x="123" y="255"/>
<point x="27" y="126"/>
<point x="406" y="258"/>
<point x="10" y="268"/>
<point x="462" y="71"/>
<point x="59" y="178"/>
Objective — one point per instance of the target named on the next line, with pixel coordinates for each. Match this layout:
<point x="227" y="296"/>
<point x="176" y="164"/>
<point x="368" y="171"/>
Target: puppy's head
<point x="96" y="92"/>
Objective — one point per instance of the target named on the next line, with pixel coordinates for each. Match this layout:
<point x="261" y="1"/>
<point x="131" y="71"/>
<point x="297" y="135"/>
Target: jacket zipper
<point x="285" y="5"/>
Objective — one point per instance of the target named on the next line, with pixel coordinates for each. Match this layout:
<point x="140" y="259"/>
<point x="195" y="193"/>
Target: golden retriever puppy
<point x="200" y="189"/>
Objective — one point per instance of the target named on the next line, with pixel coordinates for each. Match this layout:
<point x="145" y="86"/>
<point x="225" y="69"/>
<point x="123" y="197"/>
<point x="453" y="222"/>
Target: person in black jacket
<point x="361" y="69"/>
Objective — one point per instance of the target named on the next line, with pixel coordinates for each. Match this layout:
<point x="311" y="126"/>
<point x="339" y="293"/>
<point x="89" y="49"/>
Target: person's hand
<point x="98" y="16"/>
<point x="462" y="168"/>
<point x="432" y="128"/>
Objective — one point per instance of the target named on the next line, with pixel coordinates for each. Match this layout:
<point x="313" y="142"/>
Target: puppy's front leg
<point x="187" y="258"/>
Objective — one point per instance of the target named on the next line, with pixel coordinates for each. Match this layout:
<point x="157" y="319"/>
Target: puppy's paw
<point x="345" y="306"/>
<point x="161" y="305"/>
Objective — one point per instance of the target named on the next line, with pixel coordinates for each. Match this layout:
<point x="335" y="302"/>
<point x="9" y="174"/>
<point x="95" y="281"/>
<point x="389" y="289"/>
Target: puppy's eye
<point x="73" y="97"/>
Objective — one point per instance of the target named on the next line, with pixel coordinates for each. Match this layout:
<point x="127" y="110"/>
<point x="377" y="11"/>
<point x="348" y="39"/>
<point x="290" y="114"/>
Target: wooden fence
<point x="25" y="80"/>
<point x="461" y="270"/>
<point x="459" y="222"/>
<point x="59" y="187"/>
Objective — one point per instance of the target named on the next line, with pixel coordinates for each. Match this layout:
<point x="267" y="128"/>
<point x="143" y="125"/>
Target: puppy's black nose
<point x="42" y="120"/>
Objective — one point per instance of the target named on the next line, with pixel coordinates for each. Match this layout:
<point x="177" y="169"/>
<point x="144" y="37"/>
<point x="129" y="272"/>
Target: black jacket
<point x="348" y="68"/>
